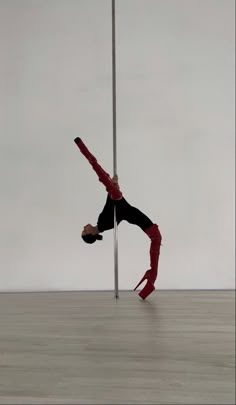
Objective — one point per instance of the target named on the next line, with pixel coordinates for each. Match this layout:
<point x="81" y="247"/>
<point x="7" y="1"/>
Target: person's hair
<point x="91" y="238"/>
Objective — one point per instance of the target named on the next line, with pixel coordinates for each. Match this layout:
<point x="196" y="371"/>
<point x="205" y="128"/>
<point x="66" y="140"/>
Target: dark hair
<point x="91" y="238"/>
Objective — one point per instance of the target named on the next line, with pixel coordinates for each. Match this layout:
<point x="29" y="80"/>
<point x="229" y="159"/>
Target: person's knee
<point x="154" y="233"/>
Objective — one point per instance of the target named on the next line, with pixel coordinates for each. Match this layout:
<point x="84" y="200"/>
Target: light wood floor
<point x="177" y="347"/>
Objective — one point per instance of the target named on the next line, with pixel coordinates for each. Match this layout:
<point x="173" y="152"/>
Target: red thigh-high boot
<point x="104" y="177"/>
<point x="151" y="275"/>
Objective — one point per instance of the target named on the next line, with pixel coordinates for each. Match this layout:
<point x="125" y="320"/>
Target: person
<point x="124" y="211"/>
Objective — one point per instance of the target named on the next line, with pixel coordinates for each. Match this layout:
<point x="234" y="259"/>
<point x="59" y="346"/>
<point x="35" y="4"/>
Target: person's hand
<point x="115" y="180"/>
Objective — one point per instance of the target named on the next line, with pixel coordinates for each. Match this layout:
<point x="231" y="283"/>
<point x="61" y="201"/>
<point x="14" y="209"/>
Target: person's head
<point x="90" y="235"/>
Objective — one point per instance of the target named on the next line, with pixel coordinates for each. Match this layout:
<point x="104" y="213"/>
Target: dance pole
<point x="114" y="142"/>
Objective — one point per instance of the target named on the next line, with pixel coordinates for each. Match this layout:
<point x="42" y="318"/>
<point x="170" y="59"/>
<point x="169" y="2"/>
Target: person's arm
<point x="115" y="180"/>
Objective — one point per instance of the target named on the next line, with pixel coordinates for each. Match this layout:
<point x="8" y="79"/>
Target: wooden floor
<point x="177" y="347"/>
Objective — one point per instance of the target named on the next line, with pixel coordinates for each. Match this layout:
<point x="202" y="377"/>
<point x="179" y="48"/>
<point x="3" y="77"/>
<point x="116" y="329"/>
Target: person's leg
<point x="136" y="217"/>
<point x="104" y="177"/>
<point x="151" y="274"/>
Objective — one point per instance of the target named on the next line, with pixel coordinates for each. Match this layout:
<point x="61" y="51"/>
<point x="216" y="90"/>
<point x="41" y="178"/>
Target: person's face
<point x="88" y="229"/>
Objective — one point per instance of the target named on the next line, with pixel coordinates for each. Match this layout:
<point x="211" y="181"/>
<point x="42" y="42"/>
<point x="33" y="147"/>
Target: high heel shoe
<point x="145" y="277"/>
<point x="149" y="287"/>
<point x="147" y="290"/>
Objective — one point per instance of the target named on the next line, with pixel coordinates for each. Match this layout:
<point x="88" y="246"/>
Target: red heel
<point x="142" y="279"/>
<point x="149" y="287"/>
<point x="147" y="290"/>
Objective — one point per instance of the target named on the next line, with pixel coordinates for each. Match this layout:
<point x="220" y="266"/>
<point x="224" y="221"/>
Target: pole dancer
<point x="124" y="211"/>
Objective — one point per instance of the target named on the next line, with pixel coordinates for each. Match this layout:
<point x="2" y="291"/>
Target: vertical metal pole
<point x="114" y="142"/>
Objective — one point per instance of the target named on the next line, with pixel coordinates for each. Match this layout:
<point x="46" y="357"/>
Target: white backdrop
<point x="175" y="127"/>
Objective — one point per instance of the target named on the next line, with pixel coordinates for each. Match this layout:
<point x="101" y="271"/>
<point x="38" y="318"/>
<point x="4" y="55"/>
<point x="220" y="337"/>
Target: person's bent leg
<point x="151" y="275"/>
<point x="104" y="177"/>
<point x="135" y="216"/>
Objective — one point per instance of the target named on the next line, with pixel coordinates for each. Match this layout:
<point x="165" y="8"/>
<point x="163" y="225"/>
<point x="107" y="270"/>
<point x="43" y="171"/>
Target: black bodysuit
<point x="124" y="211"/>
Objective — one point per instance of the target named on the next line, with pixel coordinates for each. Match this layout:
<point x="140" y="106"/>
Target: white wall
<point x="175" y="107"/>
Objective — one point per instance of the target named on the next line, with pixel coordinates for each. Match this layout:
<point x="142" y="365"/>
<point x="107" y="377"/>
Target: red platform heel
<point x="147" y="290"/>
<point x="149" y="287"/>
